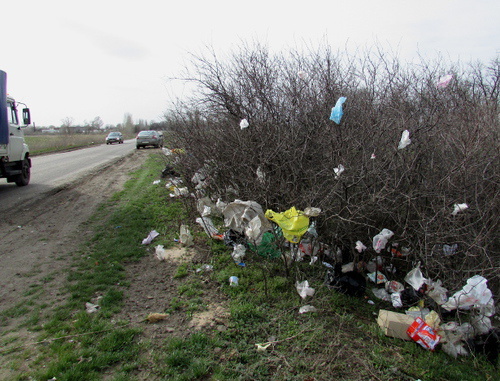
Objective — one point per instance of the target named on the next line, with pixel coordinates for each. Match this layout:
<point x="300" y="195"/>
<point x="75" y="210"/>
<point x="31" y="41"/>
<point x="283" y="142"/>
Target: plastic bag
<point x="381" y="294"/>
<point x="160" y="253"/>
<point x="293" y="223"/>
<point x="437" y="292"/>
<point x="444" y="81"/>
<point x="207" y="225"/>
<point x="360" y="247"/>
<point x="244" y="124"/>
<point x="380" y="240"/>
<point x="415" y="278"/>
<point x="185" y="236"/>
<point x="405" y="139"/>
<point x="246" y="217"/>
<point x="474" y="294"/>
<point x="303" y="289"/>
<point x="302" y="75"/>
<point x="338" y="171"/>
<point x="450" y="250"/>
<point x="337" y="111"/>
<point x="238" y="253"/>
<point x="459" y="208"/>
<point x="151" y="236"/>
<point x="312" y="212"/>
<point x="308" y="308"/>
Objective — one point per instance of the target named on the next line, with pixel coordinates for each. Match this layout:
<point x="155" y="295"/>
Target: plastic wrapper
<point x="423" y="334"/>
<point x="233" y="281"/>
<point x="405" y="140"/>
<point x="396" y="300"/>
<point x="394" y="286"/>
<point x="380" y="278"/>
<point x="151" y="236"/>
<point x="337" y="112"/>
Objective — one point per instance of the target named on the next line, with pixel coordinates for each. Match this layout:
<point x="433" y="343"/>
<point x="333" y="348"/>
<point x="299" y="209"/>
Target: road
<point x="54" y="171"/>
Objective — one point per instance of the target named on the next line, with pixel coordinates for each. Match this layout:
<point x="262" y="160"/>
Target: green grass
<point x="40" y="144"/>
<point x="339" y="341"/>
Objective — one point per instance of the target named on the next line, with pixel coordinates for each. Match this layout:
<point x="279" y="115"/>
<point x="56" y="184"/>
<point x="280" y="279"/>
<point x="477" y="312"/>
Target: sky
<point x="79" y="60"/>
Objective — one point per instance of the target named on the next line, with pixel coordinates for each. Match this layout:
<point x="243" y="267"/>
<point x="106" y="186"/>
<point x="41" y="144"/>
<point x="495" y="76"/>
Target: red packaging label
<point x="423" y="334"/>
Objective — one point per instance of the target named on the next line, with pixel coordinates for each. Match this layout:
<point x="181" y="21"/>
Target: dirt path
<point x="37" y="239"/>
<point x="36" y="247"/>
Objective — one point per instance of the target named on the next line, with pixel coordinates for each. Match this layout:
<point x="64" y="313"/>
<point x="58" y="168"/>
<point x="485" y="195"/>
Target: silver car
<point x="149" y="138"/>
<point x="114" y="137"/>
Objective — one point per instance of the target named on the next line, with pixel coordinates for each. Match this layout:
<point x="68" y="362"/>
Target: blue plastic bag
<point x="337" y="112"/>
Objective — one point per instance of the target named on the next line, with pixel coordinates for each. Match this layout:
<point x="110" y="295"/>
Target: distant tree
<point x="96" y="124"/>
<point x="66" y="125"/>
<point x="128" y="123"/>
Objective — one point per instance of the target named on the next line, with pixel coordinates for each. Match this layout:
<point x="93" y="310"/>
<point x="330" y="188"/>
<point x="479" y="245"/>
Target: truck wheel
<point x="24" y="178"/>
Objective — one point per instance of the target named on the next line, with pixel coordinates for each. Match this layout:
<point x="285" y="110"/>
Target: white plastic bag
<point x="303" y="289"/>
<point x="207" y="225"/>
<point x="238" y="253"/>
<point x="338" y="171"/>
<point x="308" y="308"/>
<point x="415" y="278"/>
<point x="474" y="294"/>
<point x="151" y="236"/>
<point x="405" y="140"/>
<point x="160" y="253"/>
<point x="380" y="240"/>
<point x="459" y="208"/>
<point x="244" y="124"/>
<point x="185" y="236"/>
<point x="360" y="247"/>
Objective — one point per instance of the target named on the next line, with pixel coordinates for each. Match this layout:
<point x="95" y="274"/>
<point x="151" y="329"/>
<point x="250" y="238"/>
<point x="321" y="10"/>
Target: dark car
<point x="114" y="137"/>
<point x="149" y="138"/>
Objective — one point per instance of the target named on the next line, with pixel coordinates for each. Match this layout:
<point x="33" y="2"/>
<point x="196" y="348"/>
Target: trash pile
<point x="418" y="308"/>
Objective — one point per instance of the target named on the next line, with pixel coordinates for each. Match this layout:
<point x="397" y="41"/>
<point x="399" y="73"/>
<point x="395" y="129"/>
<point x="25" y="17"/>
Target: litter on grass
<point x="303" y="289"/>
<point x="151" y="236"/>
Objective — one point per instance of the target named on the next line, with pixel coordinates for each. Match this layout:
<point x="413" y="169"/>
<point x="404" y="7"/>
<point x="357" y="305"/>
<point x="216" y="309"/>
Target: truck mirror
<point x="26" y="116"/>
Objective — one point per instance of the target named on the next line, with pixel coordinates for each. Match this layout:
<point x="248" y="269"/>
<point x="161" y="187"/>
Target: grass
<point x="40" y="144"/>
<point x="339" y="341"/>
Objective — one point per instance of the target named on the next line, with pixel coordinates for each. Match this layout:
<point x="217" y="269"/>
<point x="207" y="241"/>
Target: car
<point x="114" y="137"/>
<point x="149" y="138"/>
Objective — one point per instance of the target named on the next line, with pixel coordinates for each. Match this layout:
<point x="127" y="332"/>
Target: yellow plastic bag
<point x="293" y="222"/>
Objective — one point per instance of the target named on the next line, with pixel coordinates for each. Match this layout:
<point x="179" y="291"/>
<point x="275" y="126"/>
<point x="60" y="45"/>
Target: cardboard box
<point x="395" y="324"/>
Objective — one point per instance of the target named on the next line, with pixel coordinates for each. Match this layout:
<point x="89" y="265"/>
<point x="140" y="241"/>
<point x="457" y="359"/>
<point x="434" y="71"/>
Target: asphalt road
<point x="54" y="171"/>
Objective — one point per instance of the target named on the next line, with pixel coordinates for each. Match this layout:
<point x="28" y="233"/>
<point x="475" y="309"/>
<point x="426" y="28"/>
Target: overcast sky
<point x="79" y="60"/>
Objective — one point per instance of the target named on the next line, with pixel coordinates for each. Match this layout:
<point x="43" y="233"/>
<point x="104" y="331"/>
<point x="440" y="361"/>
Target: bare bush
<point x="287" y="155"/>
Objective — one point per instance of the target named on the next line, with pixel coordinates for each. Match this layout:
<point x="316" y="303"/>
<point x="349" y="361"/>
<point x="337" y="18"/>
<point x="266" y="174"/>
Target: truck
<point x="15" y="160"/>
